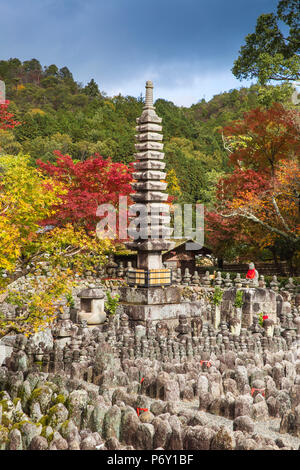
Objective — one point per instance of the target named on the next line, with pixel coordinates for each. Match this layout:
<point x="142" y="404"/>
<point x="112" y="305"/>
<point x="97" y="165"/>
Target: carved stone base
<point x="150" y="295"/>
<point x="156" y="304"/>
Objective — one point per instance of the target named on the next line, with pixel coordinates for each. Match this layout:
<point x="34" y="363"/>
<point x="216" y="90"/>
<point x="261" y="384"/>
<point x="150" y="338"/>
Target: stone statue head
<point x="251" y="266"/>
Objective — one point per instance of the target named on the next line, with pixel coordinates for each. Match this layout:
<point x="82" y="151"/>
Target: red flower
<point x="265" y="317"/>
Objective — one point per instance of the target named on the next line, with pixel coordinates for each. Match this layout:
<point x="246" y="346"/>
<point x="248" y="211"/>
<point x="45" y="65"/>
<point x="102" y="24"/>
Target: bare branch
<point x="252" y="217"/>
<point x="280" y="216"/>
<point x="225" y="144"/>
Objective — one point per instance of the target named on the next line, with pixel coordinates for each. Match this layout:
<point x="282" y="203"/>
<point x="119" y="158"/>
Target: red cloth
<point x="250" y="274"/>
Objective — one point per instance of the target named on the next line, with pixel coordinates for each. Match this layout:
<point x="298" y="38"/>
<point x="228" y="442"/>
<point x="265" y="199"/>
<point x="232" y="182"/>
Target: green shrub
<point x="218" y="295"/>
<point x="112" y="303"/>
<point x="238" y="302"/>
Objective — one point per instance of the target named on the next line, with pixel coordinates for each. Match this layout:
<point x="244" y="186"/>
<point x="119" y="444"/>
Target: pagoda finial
<point x="149" y="95"/>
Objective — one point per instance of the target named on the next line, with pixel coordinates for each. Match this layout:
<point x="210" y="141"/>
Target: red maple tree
<point x="257" y="204"/>
<point x="263" y="138"/>
<point x="88" y="184"/>
<point x="7" y="120"/>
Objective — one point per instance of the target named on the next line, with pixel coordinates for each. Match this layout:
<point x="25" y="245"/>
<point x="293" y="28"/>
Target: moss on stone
<point x="36" y="393"/>
<point x="64" y="426"/>
<point x="54" y="409"/>
<point x="3" y="434"/>
<point x="20" y="423"/>
<point x="16" y="400"/>
<point x="60" y="399"/>
<point x="4" y="405"/>
<point x="44" y="421"/>
<point x="6" y="421"/>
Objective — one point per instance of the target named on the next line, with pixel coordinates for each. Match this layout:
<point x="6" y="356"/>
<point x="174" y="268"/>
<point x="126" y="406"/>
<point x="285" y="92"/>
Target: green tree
<point x="92" y="89"/>
<point x="268" y="53"/>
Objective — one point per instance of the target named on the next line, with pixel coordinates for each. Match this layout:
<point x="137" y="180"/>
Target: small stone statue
<point x="252" y="274"/>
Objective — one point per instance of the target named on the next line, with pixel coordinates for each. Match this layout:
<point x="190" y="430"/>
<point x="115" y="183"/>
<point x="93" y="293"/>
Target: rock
<point x="205" y="397"/>
<point x="172" y="408"/>
<point x="241" y="377"/>
<point x="157" y="407"/>
<point x="58" y="443"/>
<point x="146" y="417"/>
<point x="76" y="404"/>
<point x="88" y="443"/>
<point x="295" y="396"/>
<point x="112" y="423"/>
<point x="278" y="373"/>
<point x="35" y="412"/>
<point x="290" y="422"/>
<point x="248" y="444"/>
<point x="230" y="386"/>
<point x="214" y="407"/>
<point x="144" y="436"/>
<point x="260" y="411"/>
<point x="283" y="402"/>
<point x="120" y="395"/>
<point x="273" y="408"/>
<point x="129" y="424"/>
<point x="97" y="417"/>
<point x="162" y="433"/>
<point x="243" y="406"/>
<point x="58" y="414"/>
<point x="243" y="423"/>
<point x="15" y="440"/>
<point x="25" y="393"/>
<point x="69" y="431"/>
<point x="112" y="444"/>
<point x="74" y="445"/>
<point x="175" y="442"/>
<point x="168" y="389"/>
<point x="280" y="442"/>
<point x="41" y="395"/>
<point x="198" y="418"/>
<point x="223" y="440"/>
<point x="44" y="337"/>
<point x="198" y="438"/>
<point x="39" y="443"/>
<point x="29" y="431"/>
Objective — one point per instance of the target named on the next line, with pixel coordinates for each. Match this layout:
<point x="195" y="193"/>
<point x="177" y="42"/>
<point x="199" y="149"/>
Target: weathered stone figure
<point x="252" y="274"/>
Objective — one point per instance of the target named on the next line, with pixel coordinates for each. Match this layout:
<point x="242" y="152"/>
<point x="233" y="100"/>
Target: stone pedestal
<point x="255" y="301"/>
<point x="155" y="304"/>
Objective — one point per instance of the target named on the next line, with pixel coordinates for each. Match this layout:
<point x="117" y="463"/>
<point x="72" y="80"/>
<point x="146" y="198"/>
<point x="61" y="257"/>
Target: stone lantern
<point x="92" y="306"/>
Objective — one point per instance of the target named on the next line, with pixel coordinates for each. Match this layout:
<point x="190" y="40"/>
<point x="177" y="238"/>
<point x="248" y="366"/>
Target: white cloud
<point x="184" y="84"/>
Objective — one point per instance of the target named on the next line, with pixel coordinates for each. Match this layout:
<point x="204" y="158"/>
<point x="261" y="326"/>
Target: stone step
<point x="148" y="116"/>
<point x="149" y="146"/>
<point x="149" y="185"/>
<point x="151" y="245"/>
<point x="149" y="127"/>
<point x="149" y="196"/>
<point x="153" y="208"/>
<point x="149" y="155"/>
<point x="149" y="136"/>
<point x="149" y="175"/>
<point x="149" y="165"/>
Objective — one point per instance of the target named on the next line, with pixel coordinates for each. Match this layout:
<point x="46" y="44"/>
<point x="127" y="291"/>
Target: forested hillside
<point x="58" y="113"/>
<point x="221" y="153"/>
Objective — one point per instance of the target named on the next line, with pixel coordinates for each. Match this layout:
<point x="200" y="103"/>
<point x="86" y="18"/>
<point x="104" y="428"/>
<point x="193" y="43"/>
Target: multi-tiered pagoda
<point x="150" y="198"/>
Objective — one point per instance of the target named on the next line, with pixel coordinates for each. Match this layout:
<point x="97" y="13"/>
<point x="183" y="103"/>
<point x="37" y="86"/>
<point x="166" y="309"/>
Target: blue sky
<point x="186" y="47"/>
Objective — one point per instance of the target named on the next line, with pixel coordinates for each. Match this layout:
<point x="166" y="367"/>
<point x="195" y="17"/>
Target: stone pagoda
<point x="150" y="295"/>
<point x="150" y="200"/>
